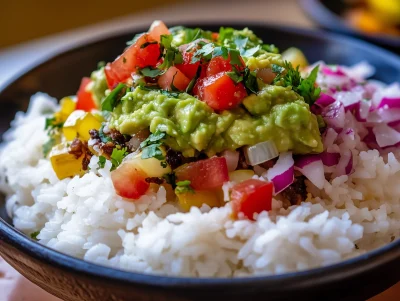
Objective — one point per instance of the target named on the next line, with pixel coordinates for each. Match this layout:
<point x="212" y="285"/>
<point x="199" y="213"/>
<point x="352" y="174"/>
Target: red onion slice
<point x="282" y="173"/>
<point x="385" y="135"/>
<point x="330" y="159"/>
<point x="345" y="165"/>
<point x="391" y="103"/>
<point x="312" y="168"/>
<point x="328" y="71"/>
<point x="334" y="115"/>
<point x="329" y="138"/>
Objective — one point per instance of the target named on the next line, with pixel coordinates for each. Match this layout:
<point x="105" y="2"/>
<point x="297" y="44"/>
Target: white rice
<point x="84" y="217"/>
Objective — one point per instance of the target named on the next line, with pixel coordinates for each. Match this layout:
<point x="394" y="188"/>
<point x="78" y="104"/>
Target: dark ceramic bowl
<point x="328" y="14"/>
<point x="73" y="279"/>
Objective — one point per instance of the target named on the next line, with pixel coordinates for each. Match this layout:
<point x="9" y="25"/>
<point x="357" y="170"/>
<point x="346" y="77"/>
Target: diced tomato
<point x="129" y="181"/>
<point x="157" y="29"/>
<point x="251" y="196"/>
<point x="180" y="81"/>
<point x="219" y="64"/>
<point x="220" y="92"/>
<point x="139" y="55"/>
<point x="215" y="36"/>
<point x="204" y="174"/>
<point x="85" y="99"/>
<point x="186" y="67"/>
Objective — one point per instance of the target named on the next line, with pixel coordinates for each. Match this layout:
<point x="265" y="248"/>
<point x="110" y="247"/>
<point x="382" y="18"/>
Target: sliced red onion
<point x="334" y="116"/>
<point x="312" y="168"/>
<point x="330" y="159"/>
<point x="391" y="103"/>
<point x="363" y="110"/>
<point x="232" y="159"/>
<point x="328" y="71"/>
<point x="324" y="100"/>
<point x="360" y="71"/>
<point x="385" y="115"/>
<point x="385" y="135"/>
<point x="345" y="164"/>
<point x="329" y="137"/>
<point x="350" y="100"/>
<point x="282" y="173"/>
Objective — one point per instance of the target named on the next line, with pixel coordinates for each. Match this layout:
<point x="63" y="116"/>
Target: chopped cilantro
<point x="103" y="136"/>
<point x="221" y="51"/>
<point x="164" y="92"/>
<point x="117" y="156"/>
<point x="34" y="235"/>
<point x="307" y="88"/>
<point x="277" y="69"/>
<point x="304" y="87"/>
<point x="234" y="56"/>
<point x="111" y="101"/>
<point x="237" y="78"/>
<point x="53" y="131"/>
<point x="151" y="72"/>
<point x="52" y="124"/>
<point x="151" y="146"/>
<point x="193" y="81"/>
<point x="171" y="54"/>
<point x="102" y="162"/>
<point x="250" y="81"/>
<point x="205" y="52"/>
<point x="183" y="187"/>
<point x="186" y="35"/>
<point x="241" y="43"/>
<point x="250" y="52"/>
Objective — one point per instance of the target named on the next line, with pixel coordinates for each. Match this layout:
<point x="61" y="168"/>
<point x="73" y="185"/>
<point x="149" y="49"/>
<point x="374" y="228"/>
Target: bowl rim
<point x="311" y="277"/>
<point x="329" y="20"/>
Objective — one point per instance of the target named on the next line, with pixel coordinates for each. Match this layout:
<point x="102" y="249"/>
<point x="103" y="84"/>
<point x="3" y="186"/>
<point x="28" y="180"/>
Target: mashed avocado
<point x="275" y="113"/>
<point x="99" y="85"/>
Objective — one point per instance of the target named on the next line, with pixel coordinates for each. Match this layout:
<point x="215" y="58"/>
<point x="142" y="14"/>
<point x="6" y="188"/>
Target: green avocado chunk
<point x="275" y="113"/>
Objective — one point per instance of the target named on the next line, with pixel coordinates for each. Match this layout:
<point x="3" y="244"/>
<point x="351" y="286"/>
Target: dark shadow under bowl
<point x="328" y="15"/>
<point x="73" y="279"/>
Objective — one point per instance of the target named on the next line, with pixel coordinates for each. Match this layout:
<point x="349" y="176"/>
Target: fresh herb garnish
<point x="250" y="52"/>
<point x="305" y="87"/>
<point x="151" y="146"/>
<point x="51" y="124"/>
<point x="183" y="187"/>
<point x="164" y="92"/>
<point x="102" y="161"/>
<point x="103" y="137"/>
<point x="151" y="72"/>
<point x="171" y="54"/>
<point x="117" y="156"/>
<point x="34" y="235"/>
<point x="112" y="99"/>
<point x="277" y="69"/>
<point x="237" y="78"/>
<point x="250" y="81"/>
<point x="53" y="131"/>
<point x="193" y="81"/>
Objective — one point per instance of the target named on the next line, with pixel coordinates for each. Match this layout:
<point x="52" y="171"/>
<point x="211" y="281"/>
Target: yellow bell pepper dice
<point x="212" y="198"/>
<point x="64" y="164"/>
<point x="67" y="106"/>
<point x="79" y="123"/>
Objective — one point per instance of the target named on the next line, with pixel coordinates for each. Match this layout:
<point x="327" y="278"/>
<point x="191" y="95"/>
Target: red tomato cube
<point x="251" y="196"/>
<point x="129" y="181"/>
<point x="204" y="174"/>
<point x="175" y="76"/>
<point x="85" y="99"/>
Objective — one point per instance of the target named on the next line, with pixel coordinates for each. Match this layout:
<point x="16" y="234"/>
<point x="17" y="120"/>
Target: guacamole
<point x="275" y="113"/>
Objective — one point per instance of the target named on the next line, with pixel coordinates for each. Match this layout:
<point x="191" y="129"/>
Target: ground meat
<point x="80" y="148"/>
<point x="174" y="158"/>
<point x="155" y="180"/>
<point x="76" y="148"/>
<point x="94" y="134"/>
<point x="117" y="137"/>
<point x="107" y="149"/>
<point x="296" y="193"/>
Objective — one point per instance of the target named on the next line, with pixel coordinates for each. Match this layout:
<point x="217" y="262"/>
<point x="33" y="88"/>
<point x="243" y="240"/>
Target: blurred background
<point x="34" y="29"/>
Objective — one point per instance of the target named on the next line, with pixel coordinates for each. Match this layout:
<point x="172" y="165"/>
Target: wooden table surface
<point x="13" y="287"/>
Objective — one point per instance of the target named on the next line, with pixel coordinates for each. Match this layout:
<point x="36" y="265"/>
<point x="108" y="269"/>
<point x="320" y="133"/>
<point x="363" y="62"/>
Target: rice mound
<point x="83" y="217"/>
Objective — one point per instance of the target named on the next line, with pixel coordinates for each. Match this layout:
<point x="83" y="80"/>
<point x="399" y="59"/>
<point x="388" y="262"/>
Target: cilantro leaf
<point x="151" y="72"/>
<point x="221" y="51"/>
<point x="117" y="156"/>
<point x="241" y="43"/>
<point x="204" y="52"/>
<point x="151" y="146"/>
<point x="250" y="81"/>
<point x="102" y="162"/>
<point x="183" y="187"/>
<point x="250" y="52"/>
<point x="237" y="78"/>
<point x="34" y="235"/>
<point x="234" y="56"/>
<point x="307" y="89"/>
<point x="277" y="69"/>
<point x="193" y="81"/>
<point x="111" y="101"/>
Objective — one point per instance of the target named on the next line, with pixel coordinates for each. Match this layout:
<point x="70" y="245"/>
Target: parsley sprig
<point x="117" y="155"/>
<point x="289" y="76"/>
<point x="151" y="146"/>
